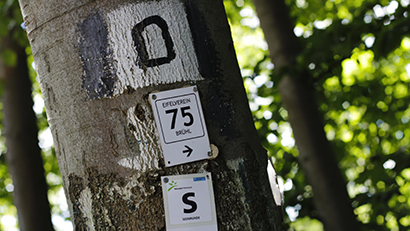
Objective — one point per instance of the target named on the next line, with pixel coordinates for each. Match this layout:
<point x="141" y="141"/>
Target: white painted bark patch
<point x="148" y="142"/>
<point x="183" y="66"/>
<point x="86" y="206"/>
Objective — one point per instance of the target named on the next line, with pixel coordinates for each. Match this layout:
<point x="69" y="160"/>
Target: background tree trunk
<point x="315" y="154"/>
<point x="23" y="155"/>
<point x="96" y="82"/>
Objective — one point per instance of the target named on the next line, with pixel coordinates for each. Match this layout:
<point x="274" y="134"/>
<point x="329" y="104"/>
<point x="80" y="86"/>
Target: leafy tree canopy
<point x="358" y="53"/>
<point x="11" y="25"/>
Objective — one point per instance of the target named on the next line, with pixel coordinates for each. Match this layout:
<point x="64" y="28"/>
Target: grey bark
<point x="23" y="155"/>
<point x="96" y="126"/>
<point x="315" y="153"/>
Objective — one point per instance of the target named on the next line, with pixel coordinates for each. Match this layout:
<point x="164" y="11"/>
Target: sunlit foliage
<point x="8" y="211"/>
<point x="10" y="22"/>
<point x="358" y="54"/>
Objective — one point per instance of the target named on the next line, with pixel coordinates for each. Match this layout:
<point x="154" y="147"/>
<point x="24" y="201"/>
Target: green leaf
<point x="9" y="57"/>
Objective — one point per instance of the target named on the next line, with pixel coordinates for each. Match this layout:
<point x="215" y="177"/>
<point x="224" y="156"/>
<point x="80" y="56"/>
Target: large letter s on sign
<point x="193" y="205"/>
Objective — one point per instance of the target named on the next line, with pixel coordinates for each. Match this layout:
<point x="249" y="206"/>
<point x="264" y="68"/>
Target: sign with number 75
<point x="181" y="125"/>
<point x="184" y="114"/>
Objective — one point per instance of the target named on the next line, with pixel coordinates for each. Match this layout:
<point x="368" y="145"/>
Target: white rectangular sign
<point x="181" y="125"/>
<point x="189" y="202"/>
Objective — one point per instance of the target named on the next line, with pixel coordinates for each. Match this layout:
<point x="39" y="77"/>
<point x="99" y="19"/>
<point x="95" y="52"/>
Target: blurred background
<point x="357" y="53"/>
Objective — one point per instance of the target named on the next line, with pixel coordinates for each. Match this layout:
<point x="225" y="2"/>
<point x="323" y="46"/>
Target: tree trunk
<point x="315" y="153"/>
<point x="97" y="62"/>
<point x="23" y="155"/>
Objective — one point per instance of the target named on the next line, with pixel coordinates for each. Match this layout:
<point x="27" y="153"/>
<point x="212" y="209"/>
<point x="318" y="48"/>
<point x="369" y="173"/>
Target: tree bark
<point x="97" y="62"/>
<point x="23" y="155"/>
<point x="315" y="153"/>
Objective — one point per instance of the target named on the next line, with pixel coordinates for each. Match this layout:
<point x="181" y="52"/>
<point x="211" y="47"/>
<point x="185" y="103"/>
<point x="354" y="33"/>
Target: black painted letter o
<point x="139" y="43"/>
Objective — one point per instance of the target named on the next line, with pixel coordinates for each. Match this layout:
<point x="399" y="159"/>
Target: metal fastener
<point x="213" y="153"/>
<point x="154" y="97"/>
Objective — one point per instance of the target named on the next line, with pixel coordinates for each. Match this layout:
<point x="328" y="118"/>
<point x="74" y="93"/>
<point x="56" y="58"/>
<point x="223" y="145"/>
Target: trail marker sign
<point x="189" y="202"/>
<point x="181" y="125"/>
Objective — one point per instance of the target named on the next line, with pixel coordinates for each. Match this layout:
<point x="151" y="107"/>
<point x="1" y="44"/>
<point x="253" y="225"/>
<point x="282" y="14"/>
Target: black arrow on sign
<point x="188" y="150"/>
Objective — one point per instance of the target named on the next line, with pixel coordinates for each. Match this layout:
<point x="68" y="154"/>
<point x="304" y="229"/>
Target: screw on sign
<point x="189" y="202"/>
<point x="181" y="125"/>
